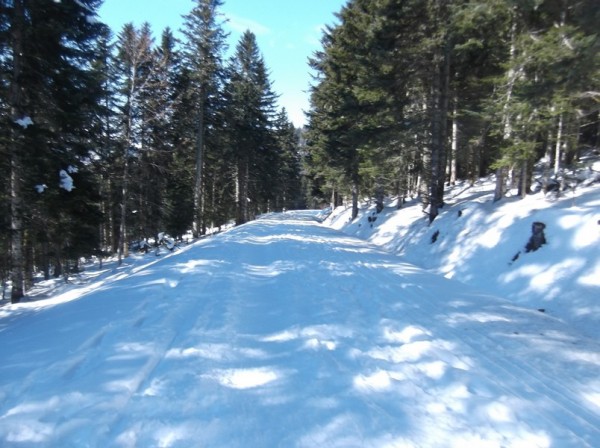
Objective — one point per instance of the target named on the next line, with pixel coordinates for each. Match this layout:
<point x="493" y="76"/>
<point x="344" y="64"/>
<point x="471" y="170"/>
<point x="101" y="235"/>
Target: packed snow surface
<point x="285" y="332"/>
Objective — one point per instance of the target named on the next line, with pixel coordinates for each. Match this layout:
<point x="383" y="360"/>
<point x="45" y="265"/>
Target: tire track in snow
<point x="539" y="388"/>
<point x="564" y="411"/>
<point x="424" y="315"/>
<point x="329" y="325"/>
<point x="543" y="382"/>
<point x="545" y="385"/>
<point x="357" y="291"/>
<point x="169" y="333"/>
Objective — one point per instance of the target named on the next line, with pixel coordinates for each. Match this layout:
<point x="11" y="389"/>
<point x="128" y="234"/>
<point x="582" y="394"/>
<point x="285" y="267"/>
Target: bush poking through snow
<point x="537" y="238"/>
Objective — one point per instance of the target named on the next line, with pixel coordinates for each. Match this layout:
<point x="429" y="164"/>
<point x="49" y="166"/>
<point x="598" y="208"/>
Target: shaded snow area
<point x="482" y="243"/>
<point x="287" y="333"/>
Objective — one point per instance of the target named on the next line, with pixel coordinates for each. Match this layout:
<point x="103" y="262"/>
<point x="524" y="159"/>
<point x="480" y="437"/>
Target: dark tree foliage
<point x="411" y="95"/>
<point x="203" y="55"/>
<point x="51" y="97"/>
<point x="106" y="139"/>
<point x="250" y="113"/>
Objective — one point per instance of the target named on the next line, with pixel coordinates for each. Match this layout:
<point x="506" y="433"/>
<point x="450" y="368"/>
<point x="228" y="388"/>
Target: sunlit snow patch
<point x="24" y="122"/>
<point x="216" y="352"/>
<point x="379" y="380"/>
<point x="244" y="378"/>
<point x="408" y="334"/>
<point x="316" y="344"/>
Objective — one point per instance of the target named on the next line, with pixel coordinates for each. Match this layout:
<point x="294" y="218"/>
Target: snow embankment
<point x="482" y="243"/>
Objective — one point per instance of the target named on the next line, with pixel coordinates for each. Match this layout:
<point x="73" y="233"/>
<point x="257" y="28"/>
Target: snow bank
<point x="482" y="243"/>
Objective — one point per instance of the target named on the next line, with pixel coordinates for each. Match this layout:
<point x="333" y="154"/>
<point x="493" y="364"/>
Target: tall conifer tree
<point x="203" y="48"/>
<point x="250" y="113"/>
<point x="49" y="48"/>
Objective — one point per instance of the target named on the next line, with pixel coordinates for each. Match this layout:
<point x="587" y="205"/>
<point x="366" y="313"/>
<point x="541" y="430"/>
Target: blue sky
<point x="288" y="32"/>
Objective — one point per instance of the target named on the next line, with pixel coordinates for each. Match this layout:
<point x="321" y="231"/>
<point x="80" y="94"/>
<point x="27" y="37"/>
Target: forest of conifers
<point x="107" y="139"/>
<point x="413" y="94"/>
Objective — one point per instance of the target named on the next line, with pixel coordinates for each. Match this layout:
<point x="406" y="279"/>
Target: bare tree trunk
<point x="379" y="195"/>
<point x="213" y="202"/>
<point x="123" y="247"/>
<point x="29" y="254"/>
<point x="112" y="220"/>
<point x="436" y="149"/>
<point x="16" y="101"/>
<point x="523" y="180"/>
<point x="245" y="185"/>
<point x="333" y="199"/>
<point x="454" y="146"/>
<point x="439" y="113"/>
<point x="242" y="180"/>
<point x="238" y="195"/>
<point x="16" y="227"/>
<point x="354" y="200"/>
<point x="500" y="189"/>
<point x="501" y="172"/>
<point x="198" y="193"/>
<point x="559" y="136"/>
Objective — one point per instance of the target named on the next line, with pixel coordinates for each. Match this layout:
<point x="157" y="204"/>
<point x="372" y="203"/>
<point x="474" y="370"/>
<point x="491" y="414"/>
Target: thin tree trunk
<point x="123" y="236"/>
<point x="16" y="165"/>
<point x="559" y="136"/>
<point x="16" y="227"/>
<point x="213" y="201"/>
<point x="354" y="200"/>
<point x="112" y="216"/>
<point x="123" y="247"/>
<point x="500" y="189"/>
<point x="379" y="195"/>
<point x="439" y="112"/>
<point x="501" y="172"/>
<point x="436" y="149"/>
<point x="424" y="174"/>
<point x="29" y="253"/>
<point x="238" y="196"/>
<point x="245" y="185"/>
<point x="242" y="180"/>
<point x="333" y="199"/>
<point x="444" y="108"/>
<point x="198" y="193"/>
<point x="454" y="147"/>
<point x="523" y="180"/>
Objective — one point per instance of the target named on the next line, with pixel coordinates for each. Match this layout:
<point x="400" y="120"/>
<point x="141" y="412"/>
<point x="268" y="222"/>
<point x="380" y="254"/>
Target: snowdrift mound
<point x="483" y="244"/>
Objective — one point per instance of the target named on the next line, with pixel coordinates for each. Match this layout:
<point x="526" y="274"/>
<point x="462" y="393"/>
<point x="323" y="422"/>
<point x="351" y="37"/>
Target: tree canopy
<point x="411" y="95"/>
<point x="112" y="139"/>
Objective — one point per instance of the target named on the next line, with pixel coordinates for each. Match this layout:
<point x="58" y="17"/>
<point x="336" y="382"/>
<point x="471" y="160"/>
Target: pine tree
<point x="203" y="53"/>
<point x="250" y="114"/>
<point x="288" y="191"/>
<point x="108" y="152"/>
<point x="48" y="48"/>
<point x="334" y="130"/>
<point x="389" y="84"/>
<point x="553" y="60"/>
<point x="153" y="168"/>
<point x="135" y="65"/>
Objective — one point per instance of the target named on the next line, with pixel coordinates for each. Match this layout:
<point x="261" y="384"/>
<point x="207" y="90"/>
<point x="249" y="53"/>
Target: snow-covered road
<point x="284" y="333"/>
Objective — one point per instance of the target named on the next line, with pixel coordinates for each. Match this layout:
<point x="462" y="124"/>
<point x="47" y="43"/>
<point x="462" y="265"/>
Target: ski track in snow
<point x="286" y="333"/>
